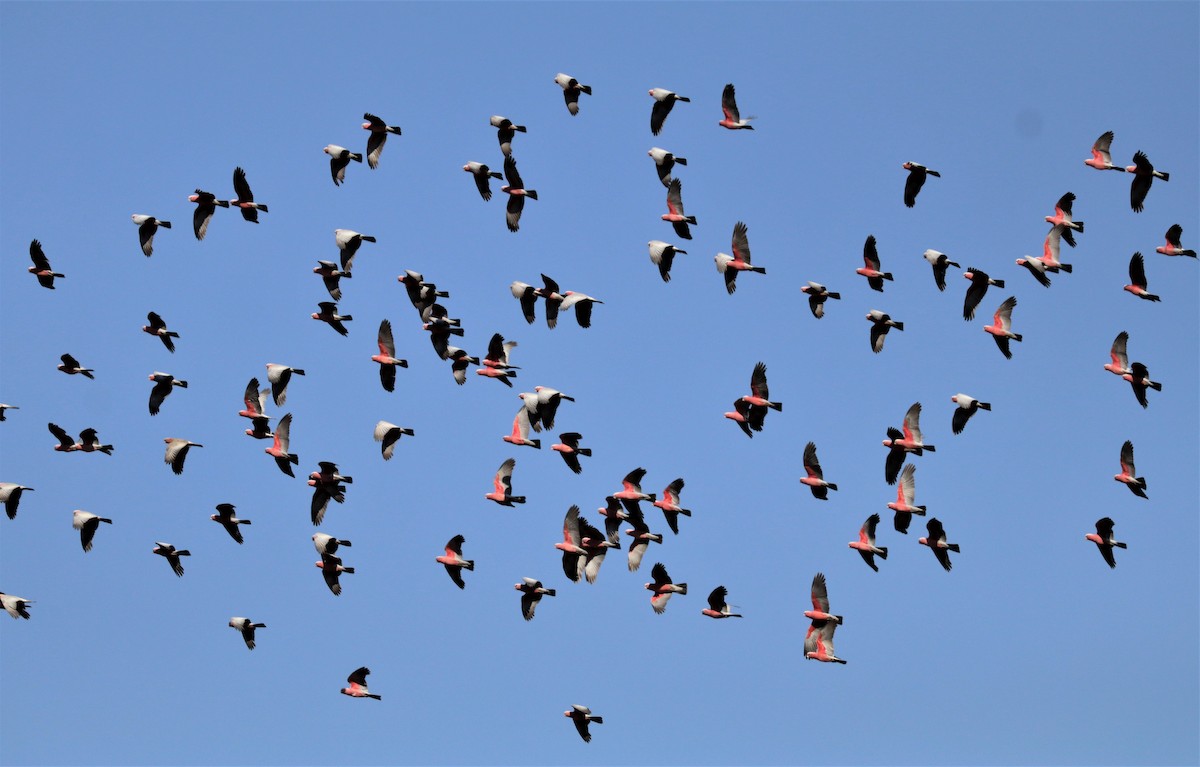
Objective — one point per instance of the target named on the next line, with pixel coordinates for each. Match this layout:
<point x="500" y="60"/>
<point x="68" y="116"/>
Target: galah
<point x="881" y="325"/>
<point x="669" y="503"/>
<point x="329" y="315"/>
<point x="506" y="129"/>
<point x="389" y="434"/>
<point x="495" y="363"/>
<point x="759" y="398"/>
<point x="4" y="407"/>
<point x="387" y="356"/>
<point x="570" y="450"/>
<point x="331" y="569"/>
<point x="732" y="118"/>
<point x="421" y="294"/>
<point x="255" y="400"/>
<point x="459" y="360"/>
<point x="870" y="267"/>
<point x="339" y="158"/>
<point x="662" y="255"/>
<point x="542" y="404"/>
<point x="260" y="428"/>
<point x="1103" y="538"/>
<point x="164" y="384"/>
<point x="675" y="214"/>
<point x="865" y="545"/>
<point x="159" y="328"/>
<point x="228" y="519"/>
<point x="532" y="592"/>
<point x="1120" y="357"/>
<point x="936" y="541"/>
<point x="41" y="266"/>
<point x="631" y="493"/>
<point x="482" y="173"/>
<point x="741" y="414"/>
<point x="614" y="515"/>
<point x="281" y="445"/>
<point x="1139" y="378"/>
<point x="817" y="295"/>
<point x="206" y="206"/>
<point x="901" y="442"/>
<point x="246" y="627"/>
<point x="571" y="90"/>
<point x="740" y="260"/>
<point x="815" y="478"/>
<point x="596" y="546"/>
<point x="1128" y="475"/>
<point x="454" y="562"/>
<point x="528" y="296"/>
<point x="520" y="431"/>
<point x="332" y="277"/>
<point x="1137" y="279"/>
<point x="1001" y="327"/>
<point x="245" y="198"/>
<point x="1101" y="158"/>
<point x="348" y="242"/>
<point x="379" y="133"/>
<point x="818" y="642"/>
<point x="1037" y="268"/>
<point x="17" y="607"/>
<point x="1062" y="217"/>
<point x="1174" y="245"/>
<point x="582" y="304"/>
<point x="662" y="588"/>
<point x="172" y="555"/>
<point x="820" y="602"/>
<point x="515" y="188"/>
<point x="640" y="533"/>
<point x="975" y="291"/>
<point x="358" y="683"/>
<point x="10" y="496"/>
<point x="717" y="606"/>
<point x="1052" y="248"/>
<point x="177" y="450"/>
<point x="147" y="227"/>
<point x="916" y="179"/>
<point x="1143" y="176"/>
<point x="967" y="406"/>
<point x="71" y="367"/>
<point x="65" y="443"/>
<point x="571" y="546"/>
<point x="89" y="442"/>
<point x="327" y="544"/>
<point x="502" y="485"/>
<point x="280" y="376"/>
<point x="87" y="524"/>
<point x="327" y="484"/>
<point x="906" y="492"/>
<point x="664" y="163"/>
<point x="440" y="326"/>
<point x="582" y="716"/>
<point x="940" y="262"/>
<point x="664" y="101"/>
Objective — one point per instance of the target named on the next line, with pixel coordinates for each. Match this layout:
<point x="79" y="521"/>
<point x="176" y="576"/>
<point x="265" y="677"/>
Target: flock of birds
<point x="583" y="546"/>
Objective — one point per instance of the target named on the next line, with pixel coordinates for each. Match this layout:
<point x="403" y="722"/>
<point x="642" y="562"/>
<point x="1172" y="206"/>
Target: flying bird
<point x="1137" y="279"/>
<point x="482" y="174"/>
<point x="818" y="641"/>
<point x="664" y="101"/>
<point x="758" y="399"/>
<point x="358" y="684"/>
<point x="1103" y="538"/>
<point x="10" y="496"/>
<point x="227" y="518"/>
<point x="1001" y="327"/>
<point x="532" y="592"/>
<point x="495" y="362"/>
<point x="348" y="242"/>
<point x="246" y="627"/>
<point x="865" y="545"/>
<point x="1139" y="378"/>
<point x="327" y="544"/>
<point x="515" y="188"/>
<point x="502" y="485"/>
<point x="906" y="492"/>
<point x="1120" y="357"/>
<point x="732" y="119"/>
<point x="280" y="446"/>
<point x="423" y="295"/>
<point x="87" y="524"/>
<point x="1052" y="248"/>
<point x="280" y="376"/>
<point x="631" y="493"/>
<point x="1143" y="176"/>
<point x="147" y="227"/>
<point x="717" y="607"/>
<point x="159" y="328"/>
<point x="662" y="588"/>
<point x="454" y="562"/>
<point x="669" y="503"/>
<point x="89" y="442"/>
<point x="662" y="255"/>
<point x="916" y="179"/>
<point x="177" y="450"/>
<point x="817" y="295"/>
<point x="937" y="542"/>
<point x="664" y="162"/>
<point x="675" y="213"/>
<point x="245" y="198"/>
<point x="339" y="158"/>
<point x="571" y="90"/>
<point x="206" y="206"/>
<point x="379" y="133"/>
<point x="332" y="277"/>
<point x="15" y="606"/>
<point x="640" y="532"/>
<point x="571" y="546"/>
<point x="907" y="441"/>
<point x="582" y="716"/>
<point x="65" y="443"/>
<point x="739" y="261"/>
<point x="331" y="569"/>
<point x="1037" y="268"/>
<point x="164" y="384"/>
<point x="1101" y="158"/>
<point x="570" y="450"/>
<point x="387" y="357"/>
<point x="967" y="406"/>
<point x="520" y="431"/>
<point x="255" y="400"/>
<point x="4" y="407"/>
<point x="976" y="290"/>
<point x="815" y="478"/>
<point x="939" y="261"/>
<point x="41" y="266"/>
<point x="1174" y="245"/>
<point x="389" y="434"/>
<point x="329" y="315"/>
<point x="1062" y="217"/>
<point x="870" y="268"/>
<point x="172" y="555"/>
<point x="71" y="367"/>
<point x="881" y="325"/>
<point x="505" y="131"/>
<point x="1128" y="475"/>
<point x="542" y="404"/>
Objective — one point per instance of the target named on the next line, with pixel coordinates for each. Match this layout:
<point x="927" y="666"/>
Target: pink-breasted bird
<point x="1001" y="327"/>
<point x="206" y="206"/>
<point x="358" y="685"/>
<point x="740" y="260"/>
<point x="280" y="446"/>
<point x="679" y="220"/>
<point x="731" y="117"/>
<point x="865" y="545"/>
<point x="227" y="518"/>
<point x="900" y="443"/>
<point x="516" y="191"/>
<point x="669" y="503"/>
<point x="631" y="493"/>
<point x="502" y="485"/>
<point x="1143" y="176"/>
<point x="814" y="477"/>
<point x="1128" y="475"/>
<point x="1137" y="279"/>
<point x="1119" y="354"/>
<point x="1103" y="538"/>
<point x="1139" y="378"/>
<point x="1174" y="244"/>
<point x="520" y="431"/>
<point x="495" y="362"/>
<point x="89" y="442"/>
<point x="245" y="198"/>
<point x="758" y="399"/>
<point x="387" y="356"/>
<point x="329" y="315"/>
<point x="870" y="267"/>
<point x="41" y="266"/>
<point x="454" y="562"/>
<point x="532" y="592"/>
<point x="662" y="588"/>
<point x="818" y="641"/>
<point x="71" y="367"/>
<point x="916" y="179"/>
<point x="570" y="450"/>
<point x="640" y="533"/>
<point x="379" y="133"/>
<point x="1037" y="268"/>
<point x="332" y="277"/>
<point x="164" y="384"/>
<point x="1062" y="217"/>
<point x="582" y="716"/>
<point x="159" y="328"/>
<point x="331" y="570"/>
<point x="1052" y="248"/>
<point x="936" y="540"/>
<point x="906" y="492"/>
<point x="718" y="608"/>
<point x="1101" y="158"/>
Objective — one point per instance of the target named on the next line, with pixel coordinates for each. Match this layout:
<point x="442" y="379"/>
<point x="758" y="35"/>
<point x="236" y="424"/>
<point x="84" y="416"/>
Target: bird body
<point x="967" y="406"/>
<point x="732" y="118"/>
<point x="358" y="684"/>
<point x="662" y="588"/>
<point x="1174" y="244"/>
<point x="246" y="627"/>
<point x="245" y="198"/>
<point x="482" y="175"/>
<point x="206" y="205"/>
<point x="1101" y="158"/>
<point x="916" y="179"/>
<point x="1001" y="327"/>
<point x="664" y="102"/>
<point x="740" y="260"/>
<point x="1104" y="540"/>
<point x="454" y="562"/>
<point x="675" y="215"/>
<point x="571" y="90"/>
<point x="172" y="555"/>
<point x="87" y="524"/>
<point x="871" y="264"/>
<point x="865" y="545"/>
<point x="881" y="324"/>
<point x="940" y="262"/>
<point x="227" y="518"/>
<point x="936" y="541"/>
<point x="339" y="158"/>
<point x="177" y="450"/>
<point x="817" y="295"/>
<point x="379" y="133"/>
<point x="147" y="227"/>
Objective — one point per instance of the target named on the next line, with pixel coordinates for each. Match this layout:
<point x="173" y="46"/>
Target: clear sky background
<point x="1030" y="651"/>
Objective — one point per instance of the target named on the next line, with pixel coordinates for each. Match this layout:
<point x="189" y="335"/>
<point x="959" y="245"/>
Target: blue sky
<point x="1030" y="651"/>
